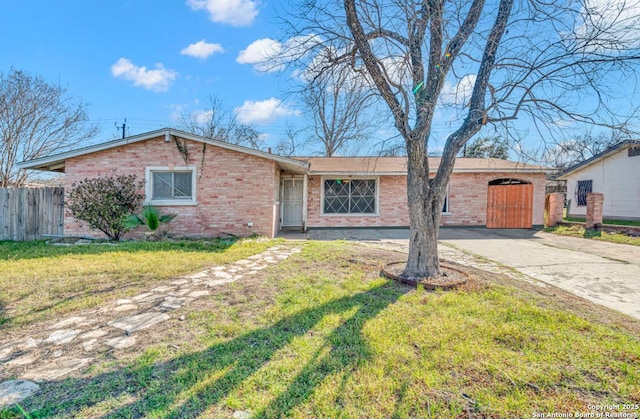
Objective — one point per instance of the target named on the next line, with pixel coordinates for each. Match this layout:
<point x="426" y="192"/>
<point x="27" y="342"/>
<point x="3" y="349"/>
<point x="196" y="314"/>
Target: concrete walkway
<point x="604" y="273"/>
<point x="52" y="353"/>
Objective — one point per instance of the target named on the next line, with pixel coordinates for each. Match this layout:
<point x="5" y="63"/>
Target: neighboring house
<point x="615" y="173"/>
<point x="218" y="188"/>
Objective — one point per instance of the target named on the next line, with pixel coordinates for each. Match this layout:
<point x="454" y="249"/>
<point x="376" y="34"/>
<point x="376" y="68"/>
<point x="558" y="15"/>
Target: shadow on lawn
<point x="184" y="388"/>
<point x="42" y="249"/>
<point x="3" y="315"/>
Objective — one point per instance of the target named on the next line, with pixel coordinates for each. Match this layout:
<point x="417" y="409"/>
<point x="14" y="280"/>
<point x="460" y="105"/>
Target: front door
<point x="292" y="200"/>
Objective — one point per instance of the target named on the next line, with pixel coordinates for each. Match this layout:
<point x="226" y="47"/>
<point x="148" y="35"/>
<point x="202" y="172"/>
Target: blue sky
<point x="149" y="61"/>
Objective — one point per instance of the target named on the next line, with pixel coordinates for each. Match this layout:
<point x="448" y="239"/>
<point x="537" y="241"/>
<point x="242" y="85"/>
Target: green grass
<point x="579" y="231"/>
<point x="322" y="335"/>
<point x="38" y="280"/>
<point x="605" y="221"/>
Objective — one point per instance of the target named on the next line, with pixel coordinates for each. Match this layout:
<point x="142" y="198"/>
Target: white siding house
<point x="614" y="173"/>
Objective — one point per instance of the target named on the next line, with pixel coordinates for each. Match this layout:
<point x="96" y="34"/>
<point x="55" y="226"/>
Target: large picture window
<point x="583" y="188"/>
<point x="170" y="187"/>
<point x="349" y="196"/>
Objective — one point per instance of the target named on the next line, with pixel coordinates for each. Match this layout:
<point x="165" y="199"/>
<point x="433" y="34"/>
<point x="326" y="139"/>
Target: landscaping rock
<point x="138" y="322"/>
<point x="14" y="391"/>
<point x="89" y="345"/>
<point x="25" y="359"/>
<point x="68" y="322"/>
<point x="93" y="334"/>
<point x="55" y="370"/>
<point x="60" y="337"/>
<point x="121" y="342"/>
<point x="8" y="348"/>
<point x="126" y="307"/>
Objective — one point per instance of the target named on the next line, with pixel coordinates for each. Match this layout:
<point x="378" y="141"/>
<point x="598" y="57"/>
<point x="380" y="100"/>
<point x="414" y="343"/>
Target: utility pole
<point x="124" y="126"/>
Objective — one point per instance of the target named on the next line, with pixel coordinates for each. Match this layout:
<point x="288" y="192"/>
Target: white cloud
<point x="232" y="12"/>
<point x="263" y="55"/>
<point x="609" y="24"/>
<point x="202" y="116"/>
<point x="157" y="80"/>
<point x="263" y="112"/>
<point x="201" y="49"/>
<point x="459" y="94"/>
<point x="269" y="55"/>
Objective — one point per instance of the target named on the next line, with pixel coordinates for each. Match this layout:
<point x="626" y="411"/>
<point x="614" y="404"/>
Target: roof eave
<point x="58" y="160"/>
<point x="404" y="173"/>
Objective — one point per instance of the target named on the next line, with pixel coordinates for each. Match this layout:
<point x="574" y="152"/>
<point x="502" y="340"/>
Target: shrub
<point x="150" y="217"/>
<point x="105" y="202"/>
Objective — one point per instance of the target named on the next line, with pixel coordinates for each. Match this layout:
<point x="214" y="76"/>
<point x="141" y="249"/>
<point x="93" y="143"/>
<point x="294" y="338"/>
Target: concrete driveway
<point x="604" y="273"/>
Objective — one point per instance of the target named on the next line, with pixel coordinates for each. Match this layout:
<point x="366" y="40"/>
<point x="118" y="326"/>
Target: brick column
<point x="554" y="206"/>
<point x="595" y="203"/>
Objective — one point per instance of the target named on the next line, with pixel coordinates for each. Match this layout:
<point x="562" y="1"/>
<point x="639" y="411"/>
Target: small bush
<point x="150" y="217"/>
<point x="105" y="202"/>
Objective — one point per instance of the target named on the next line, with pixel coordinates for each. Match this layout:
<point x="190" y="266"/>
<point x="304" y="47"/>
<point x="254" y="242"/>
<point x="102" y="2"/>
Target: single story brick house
<point x="217" y="188"/>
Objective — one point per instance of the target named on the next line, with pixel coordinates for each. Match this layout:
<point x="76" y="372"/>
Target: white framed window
<point x="170" y="186"/>
<point x="350" y="196"/>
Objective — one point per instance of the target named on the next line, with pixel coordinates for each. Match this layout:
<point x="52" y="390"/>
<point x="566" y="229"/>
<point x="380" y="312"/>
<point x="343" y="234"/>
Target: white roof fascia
<point x="291" y="164"/>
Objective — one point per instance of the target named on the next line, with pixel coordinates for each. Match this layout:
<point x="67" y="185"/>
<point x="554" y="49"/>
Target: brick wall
<point x="595" y="202"/>
<point x="467" y="202"/>
<point x="232" y="188"/>
<point x="554" y="209"/>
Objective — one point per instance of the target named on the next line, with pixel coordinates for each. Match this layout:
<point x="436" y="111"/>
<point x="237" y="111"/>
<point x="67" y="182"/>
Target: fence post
<point x="595" y="203"/>
<point x="554" y="206"/>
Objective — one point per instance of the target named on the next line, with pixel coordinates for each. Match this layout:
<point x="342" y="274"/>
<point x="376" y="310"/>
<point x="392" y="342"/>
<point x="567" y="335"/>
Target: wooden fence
<point x="30" y="213"/>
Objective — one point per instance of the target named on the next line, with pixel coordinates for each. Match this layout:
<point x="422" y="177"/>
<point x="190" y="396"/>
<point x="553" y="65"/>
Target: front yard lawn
<point x="38" y="280"/>
<point x="322" y="335"/>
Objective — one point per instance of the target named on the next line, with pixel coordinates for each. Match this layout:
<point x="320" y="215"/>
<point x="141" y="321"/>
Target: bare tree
<point x="580" y="148"/>
<point x="219" y="124"/>
<point x="36" y="119"/>
<point x="339" y="104"/>
<point x="287" y="145"/>
<point x="487" y="147"/>
<point x="553" y="61"/>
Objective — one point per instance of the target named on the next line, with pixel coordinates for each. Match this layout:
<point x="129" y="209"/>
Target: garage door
<point x="509" y="204"/>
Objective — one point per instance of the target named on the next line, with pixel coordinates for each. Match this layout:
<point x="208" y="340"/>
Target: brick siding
<point x="232" y="188"/>
<point x="467" y="202"/>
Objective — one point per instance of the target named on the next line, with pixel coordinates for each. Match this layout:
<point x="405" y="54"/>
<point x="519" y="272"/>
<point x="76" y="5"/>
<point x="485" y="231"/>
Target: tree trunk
<point x="425" y="204"/>
<point x="423" y="244"/>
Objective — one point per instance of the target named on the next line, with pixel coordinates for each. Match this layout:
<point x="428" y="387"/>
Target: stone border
<point x="430" y="286"/>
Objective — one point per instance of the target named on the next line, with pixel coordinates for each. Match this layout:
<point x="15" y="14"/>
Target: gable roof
<point x="398" y="165"/>
<point x="312" y="165"/>
<point x="617" y="148"/>
<point x="56" y="162"/>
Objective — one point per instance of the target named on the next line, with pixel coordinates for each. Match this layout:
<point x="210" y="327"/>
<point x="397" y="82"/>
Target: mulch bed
<point x="450" y="279"/>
